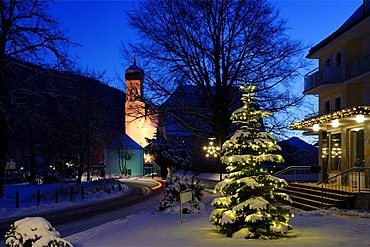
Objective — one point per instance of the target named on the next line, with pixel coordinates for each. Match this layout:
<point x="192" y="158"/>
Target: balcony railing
<point x="355" y="179"/>
<point x="339" y="73"/>
<point x="299" y="173"/>
<point x="326" y="76"/>
<point x="357" y="67"/>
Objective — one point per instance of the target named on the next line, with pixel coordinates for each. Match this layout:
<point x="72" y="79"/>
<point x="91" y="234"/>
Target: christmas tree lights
<point x="248" y="208"/>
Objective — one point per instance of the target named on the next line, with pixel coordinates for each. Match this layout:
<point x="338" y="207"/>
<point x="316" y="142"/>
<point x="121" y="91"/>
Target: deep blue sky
<point x="101" y="26"/>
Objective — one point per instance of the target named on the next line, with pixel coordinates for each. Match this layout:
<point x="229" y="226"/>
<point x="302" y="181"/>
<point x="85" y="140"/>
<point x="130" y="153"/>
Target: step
<point x="320" y="189"/>
<point x="304" y="206"/>
<point x="321" y="193"/>
<point x="311" y="197"/>
<point x="313" y="203"/>
<point x="317" y="197"/>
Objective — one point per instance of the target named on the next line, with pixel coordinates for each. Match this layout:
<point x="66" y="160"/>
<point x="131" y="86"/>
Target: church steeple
<point x="134" y="72"/>
<point x="136" y="125"/>
<point x="134" y="83"/>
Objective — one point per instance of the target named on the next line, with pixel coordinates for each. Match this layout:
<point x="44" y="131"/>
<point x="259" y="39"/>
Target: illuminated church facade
<point x="124" y="155"/>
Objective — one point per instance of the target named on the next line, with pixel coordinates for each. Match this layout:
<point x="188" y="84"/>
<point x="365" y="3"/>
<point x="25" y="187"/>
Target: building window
<point x="357" y="147"/>
<point x="338" y="104"/>
<point x="327" y="62"/>
<point x="324" y="154"/>
<point x="338" y="58"/>
<point x="327" y="107"/>
<point x="335" y="152"/>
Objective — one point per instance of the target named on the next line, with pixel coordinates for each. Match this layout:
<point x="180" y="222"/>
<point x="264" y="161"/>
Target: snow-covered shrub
<point x="50" y="176"/>
<point x="250" y="207"/>
<point x="176" y="186"/>
<point x="35" y="232"/>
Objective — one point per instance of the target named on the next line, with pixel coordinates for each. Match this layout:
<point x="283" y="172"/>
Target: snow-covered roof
<point x="122" y="141"/>
<point x="360" y="14"/>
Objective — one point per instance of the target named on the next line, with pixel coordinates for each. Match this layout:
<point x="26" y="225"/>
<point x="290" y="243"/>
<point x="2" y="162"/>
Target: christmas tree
<point x="249" y="208"/>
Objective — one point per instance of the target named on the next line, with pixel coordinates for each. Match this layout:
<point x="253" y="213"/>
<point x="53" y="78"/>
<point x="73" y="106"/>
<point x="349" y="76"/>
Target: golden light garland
<point x="348" y="112"/>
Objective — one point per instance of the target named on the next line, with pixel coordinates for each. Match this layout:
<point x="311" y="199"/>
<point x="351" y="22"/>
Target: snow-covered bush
<point x="250" y="206"/>
<point x="35" y="232"/>
<point x="176" y="186"/>
<point x="50" y="176"/>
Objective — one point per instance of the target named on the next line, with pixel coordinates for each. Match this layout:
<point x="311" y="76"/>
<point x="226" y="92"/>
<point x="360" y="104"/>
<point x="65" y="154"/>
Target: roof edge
<point x="342" y="29"/>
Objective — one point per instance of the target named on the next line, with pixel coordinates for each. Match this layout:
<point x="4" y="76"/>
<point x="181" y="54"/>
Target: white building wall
<point x="111" y="162"/>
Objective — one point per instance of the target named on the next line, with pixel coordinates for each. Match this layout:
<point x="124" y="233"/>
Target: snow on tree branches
<point x="249" y="208"/>
<point x="176" y="186"/>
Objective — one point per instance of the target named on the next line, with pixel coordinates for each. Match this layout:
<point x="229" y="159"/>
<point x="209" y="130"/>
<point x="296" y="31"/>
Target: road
<point x="76" y="219"/>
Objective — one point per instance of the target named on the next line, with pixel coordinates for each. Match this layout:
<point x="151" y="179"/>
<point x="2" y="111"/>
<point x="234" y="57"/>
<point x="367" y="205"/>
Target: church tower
<point x="137" y="124"/>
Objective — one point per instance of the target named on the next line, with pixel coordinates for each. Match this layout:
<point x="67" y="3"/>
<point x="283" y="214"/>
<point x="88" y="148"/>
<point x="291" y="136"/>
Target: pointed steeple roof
<point x="134" y="72"/>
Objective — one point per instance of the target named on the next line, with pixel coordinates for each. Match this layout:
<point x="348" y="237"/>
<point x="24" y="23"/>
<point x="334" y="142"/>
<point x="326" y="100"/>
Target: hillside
<point x="58" y="117"/>
<point x="297" y="152"/>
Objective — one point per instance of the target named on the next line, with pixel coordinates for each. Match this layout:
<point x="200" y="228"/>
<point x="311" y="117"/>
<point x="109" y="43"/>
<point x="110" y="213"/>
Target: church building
<point x="138" y="123"/>
<point x="124" y="155"/>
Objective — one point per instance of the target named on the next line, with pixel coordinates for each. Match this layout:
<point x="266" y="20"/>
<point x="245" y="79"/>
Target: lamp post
<point x="213" y="151"/>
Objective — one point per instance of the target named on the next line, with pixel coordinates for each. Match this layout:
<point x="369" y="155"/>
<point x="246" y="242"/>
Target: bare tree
<point x="214" y="45"/>
<point x="87" y="121"/>
<point x="123" y="156"/>
<point x="27" y="34"/>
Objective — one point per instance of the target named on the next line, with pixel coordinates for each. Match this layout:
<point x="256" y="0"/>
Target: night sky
<point x="101" y="26"/>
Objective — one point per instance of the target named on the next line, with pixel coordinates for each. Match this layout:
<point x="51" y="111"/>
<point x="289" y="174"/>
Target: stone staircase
<point x="309" y="197"/>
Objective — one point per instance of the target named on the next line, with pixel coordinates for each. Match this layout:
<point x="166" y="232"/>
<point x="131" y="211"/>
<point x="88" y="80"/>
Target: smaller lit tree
<point x="249" y="206"/>
<point x="169" y="153"/>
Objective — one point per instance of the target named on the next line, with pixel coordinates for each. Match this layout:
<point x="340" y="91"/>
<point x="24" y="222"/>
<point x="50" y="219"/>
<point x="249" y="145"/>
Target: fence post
<point x="82" y="192"/>
<point x="322" y="196"/>
<point x="38" y="197"/>
<point x="359" y="180"/>
<point x="56" y="195"/>
<point x="71" y="194"/>
<point x="17" y="199"/>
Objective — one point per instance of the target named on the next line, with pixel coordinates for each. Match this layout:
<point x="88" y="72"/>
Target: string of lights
<point x="358" y="112"/>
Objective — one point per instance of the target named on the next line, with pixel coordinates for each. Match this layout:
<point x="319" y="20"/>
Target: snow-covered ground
<point x="28" y="201"/>
<point x="151" y="228"/>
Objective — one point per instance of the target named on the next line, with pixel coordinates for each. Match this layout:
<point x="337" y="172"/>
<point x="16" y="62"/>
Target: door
<point x="357" y="148"/>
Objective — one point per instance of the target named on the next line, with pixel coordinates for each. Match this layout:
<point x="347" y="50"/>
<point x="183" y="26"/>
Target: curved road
<point x="80" y="218"/>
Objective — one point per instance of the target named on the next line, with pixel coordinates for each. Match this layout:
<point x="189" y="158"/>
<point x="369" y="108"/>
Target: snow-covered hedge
<point x="35" y="232"/>
<point x="176" y="186"/>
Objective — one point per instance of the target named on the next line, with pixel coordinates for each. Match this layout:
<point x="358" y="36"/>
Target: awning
<point x="352" y="115"/>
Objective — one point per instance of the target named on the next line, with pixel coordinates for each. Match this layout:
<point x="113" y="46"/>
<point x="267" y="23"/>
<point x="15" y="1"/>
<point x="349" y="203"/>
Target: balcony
<point x="318" y="77"/>
<point x="336" y="74"/>
<point x="357" y="67"/>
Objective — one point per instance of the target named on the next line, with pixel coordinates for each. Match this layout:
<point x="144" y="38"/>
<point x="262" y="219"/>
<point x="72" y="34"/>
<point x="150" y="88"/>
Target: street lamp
<point x="213" y="151"/>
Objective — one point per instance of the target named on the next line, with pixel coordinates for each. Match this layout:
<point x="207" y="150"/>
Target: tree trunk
<point x="32" y="160"/>
<point x="3" y="128"/>
<point x="3" y="146"/>
<point x="79" y="169"/>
